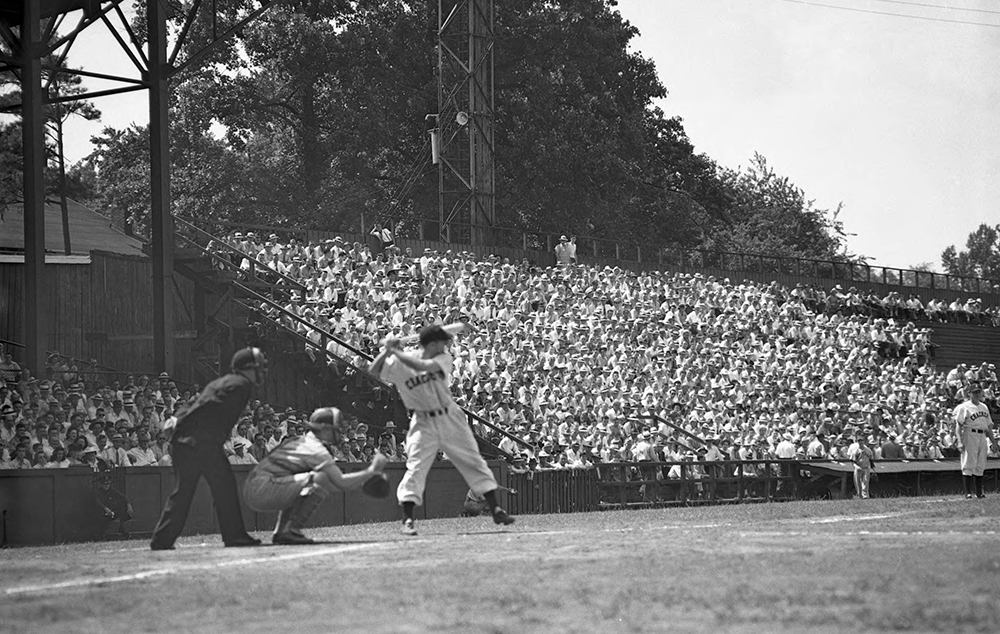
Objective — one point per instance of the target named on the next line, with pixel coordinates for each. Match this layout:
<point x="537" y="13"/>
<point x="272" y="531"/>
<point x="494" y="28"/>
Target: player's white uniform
<point x="437" y="424"/>
<point x="974" y="420"/>
<point x="277" y="481"/>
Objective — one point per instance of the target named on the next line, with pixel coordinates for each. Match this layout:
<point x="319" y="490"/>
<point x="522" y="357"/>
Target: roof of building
<point x="88" y="231"/>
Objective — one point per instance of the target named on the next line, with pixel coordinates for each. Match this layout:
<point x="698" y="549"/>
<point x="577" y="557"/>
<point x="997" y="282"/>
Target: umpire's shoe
<point x="288" y="538"/>
<point x="500" y="516"/>
<point x="243" y="542"/>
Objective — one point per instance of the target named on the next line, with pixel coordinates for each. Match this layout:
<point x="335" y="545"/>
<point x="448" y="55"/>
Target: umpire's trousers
<point x="190" y="464"/>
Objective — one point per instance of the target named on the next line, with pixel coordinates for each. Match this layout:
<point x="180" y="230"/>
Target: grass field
<point x="900" y="564"/>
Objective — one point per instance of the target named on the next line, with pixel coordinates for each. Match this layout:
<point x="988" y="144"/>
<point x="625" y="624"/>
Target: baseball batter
<point x="437" y="424"/>
<point x="298" y="474"/>
<point x="974" y="431"/>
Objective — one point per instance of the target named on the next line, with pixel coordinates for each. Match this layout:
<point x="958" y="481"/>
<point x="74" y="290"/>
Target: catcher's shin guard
<point x="303" y="509"/>
<point x="283" y="517"/>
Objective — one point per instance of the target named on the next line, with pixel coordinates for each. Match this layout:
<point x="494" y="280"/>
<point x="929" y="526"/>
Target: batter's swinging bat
<point x="451" y="329"/>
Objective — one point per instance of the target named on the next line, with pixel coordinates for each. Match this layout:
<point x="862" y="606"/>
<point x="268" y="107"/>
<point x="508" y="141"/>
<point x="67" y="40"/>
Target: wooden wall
<point x="103" y="310"/>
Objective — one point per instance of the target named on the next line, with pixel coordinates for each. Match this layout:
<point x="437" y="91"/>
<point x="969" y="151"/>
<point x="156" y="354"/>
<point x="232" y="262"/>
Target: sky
<point x="896" y="118"/>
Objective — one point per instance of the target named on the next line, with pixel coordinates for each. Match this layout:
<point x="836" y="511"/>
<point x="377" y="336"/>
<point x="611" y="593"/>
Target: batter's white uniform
<point x="975" y="421"/>
<point x="437" y="424"/>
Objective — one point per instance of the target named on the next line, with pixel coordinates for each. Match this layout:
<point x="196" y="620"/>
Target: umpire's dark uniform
<point x="196" y="449"/>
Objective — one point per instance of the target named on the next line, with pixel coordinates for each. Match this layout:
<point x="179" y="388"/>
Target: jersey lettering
<point x="424" y="377"/>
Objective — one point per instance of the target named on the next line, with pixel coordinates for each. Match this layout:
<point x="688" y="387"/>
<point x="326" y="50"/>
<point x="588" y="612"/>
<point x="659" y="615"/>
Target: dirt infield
<point x="904" y="564"/>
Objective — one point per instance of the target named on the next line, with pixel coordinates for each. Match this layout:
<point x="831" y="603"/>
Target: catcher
<point x="297" y="475"/>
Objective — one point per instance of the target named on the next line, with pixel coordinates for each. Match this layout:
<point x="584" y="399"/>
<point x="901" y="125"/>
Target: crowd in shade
<point x="582" y="364"/>
<point x="74" y="418"/>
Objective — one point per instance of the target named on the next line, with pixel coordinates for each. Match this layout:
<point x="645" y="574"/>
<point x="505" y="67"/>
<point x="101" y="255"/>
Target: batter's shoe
<point x="289" y="538"/>
<point x="408" y="528"/>
<point x="968" y="496"/>
<point x="981" y="496"/>
<point x="500" y="516"/>
<point x="244" y="542"/>
<point x="155" y="546"/>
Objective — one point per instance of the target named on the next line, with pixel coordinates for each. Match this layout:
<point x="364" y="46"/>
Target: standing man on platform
<point x="974" y="435"/>
<point x="424" y="384"/>
<point x="864" y="461"/>
<point x="196" y="449"/>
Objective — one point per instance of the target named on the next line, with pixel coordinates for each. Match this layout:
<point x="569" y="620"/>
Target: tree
<point x="768" y="214"/>
<point x="322" y="103"/>
<point x="10" y="166"/>
<point x="62" y="85"/>
<point x="981" y="257"/>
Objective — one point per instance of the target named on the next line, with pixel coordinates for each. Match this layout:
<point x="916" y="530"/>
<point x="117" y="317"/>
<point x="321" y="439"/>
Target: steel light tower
<point x="465" y="121"/>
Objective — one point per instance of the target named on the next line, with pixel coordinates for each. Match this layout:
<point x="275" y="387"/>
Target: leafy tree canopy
<point x="980" y="258"/>
<point x="314" y="115"/>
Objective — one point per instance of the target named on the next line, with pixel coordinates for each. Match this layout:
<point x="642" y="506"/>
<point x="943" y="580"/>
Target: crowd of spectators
<point x="70" y="419"/>
<point x="576" y="364"/>
<point x="582" y="364"/>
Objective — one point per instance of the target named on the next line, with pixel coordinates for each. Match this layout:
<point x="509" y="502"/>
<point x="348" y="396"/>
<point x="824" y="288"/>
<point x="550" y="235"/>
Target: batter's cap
<point x="247" y="358"/>
<point x="433" y="332"/>
<point x="325" y="417"/>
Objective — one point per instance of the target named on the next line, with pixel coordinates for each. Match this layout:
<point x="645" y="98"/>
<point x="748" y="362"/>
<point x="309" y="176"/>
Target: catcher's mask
<point x="328" y="424"/>
<point x="251" y="358"/>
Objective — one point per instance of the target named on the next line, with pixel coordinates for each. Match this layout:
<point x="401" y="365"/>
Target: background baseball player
<point x="196" y="449"/>
<point x="297" y="475"/>
<point x="974" y="431"/>
<point x="424" y="384"/>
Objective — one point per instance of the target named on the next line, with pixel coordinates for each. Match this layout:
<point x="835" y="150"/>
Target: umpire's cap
<point x="433" y="332"/>
<point x="247" y="358"/>
<point x="325" y="417"/>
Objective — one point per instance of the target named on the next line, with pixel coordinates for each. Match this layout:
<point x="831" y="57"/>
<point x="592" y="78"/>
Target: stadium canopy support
<point x="30" y="34"/>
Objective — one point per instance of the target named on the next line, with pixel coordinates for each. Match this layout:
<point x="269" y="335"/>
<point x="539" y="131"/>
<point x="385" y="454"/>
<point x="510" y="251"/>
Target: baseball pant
<point x="974" y="453"/>
<point x="449" y="432"/>
<point x="268" y="492"/>
<point x="190" y="464"/>
<point x="862" y="477"/>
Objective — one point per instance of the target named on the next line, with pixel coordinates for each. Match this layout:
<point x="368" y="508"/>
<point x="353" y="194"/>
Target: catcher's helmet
<point x="325" y="417"/>
<point x="247" y="358"/>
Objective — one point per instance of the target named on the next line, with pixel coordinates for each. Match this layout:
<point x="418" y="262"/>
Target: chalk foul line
<point x="159" y="572"/>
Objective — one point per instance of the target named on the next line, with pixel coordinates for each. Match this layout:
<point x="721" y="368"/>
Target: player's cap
<point x="433" y="333"/>
<point x="975" y="387"/>
<point x="247" y="358"/>
<point x="325" y="417"/>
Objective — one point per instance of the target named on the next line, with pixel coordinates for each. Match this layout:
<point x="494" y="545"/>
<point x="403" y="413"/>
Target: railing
<point x="552" y="492"/>
<point x="473" y="419"/>
<point x="684" y="483"/>
<point x="283" y="282"/>
<point x="596" y="248"/>
<point x="591" y="248"/>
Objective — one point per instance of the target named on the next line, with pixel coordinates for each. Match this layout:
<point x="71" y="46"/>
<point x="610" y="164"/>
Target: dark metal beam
<point x="121" y="43"/>
<point x="86" y="95"/>
<point x="86" y="73"/>
<point x="131" y="34"/>
<point x="217" y="42"/>
<point x="36" y="311"/>
<point x="161" y="221"/>
<point x="188" y="21"/>
<point x="83" y="24"/>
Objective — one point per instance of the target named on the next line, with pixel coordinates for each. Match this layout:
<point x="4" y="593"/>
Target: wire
<point x="939" y="6"/>
<point x="895" y="15"/>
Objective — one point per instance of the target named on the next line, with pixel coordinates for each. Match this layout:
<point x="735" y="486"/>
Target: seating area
<point x="572" y="358"/>
<point x="70" y="417"/>
<point x="581" y="364"/>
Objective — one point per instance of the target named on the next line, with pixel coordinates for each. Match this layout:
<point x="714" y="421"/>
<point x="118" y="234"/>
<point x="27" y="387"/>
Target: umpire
<point x="196" y="448"/>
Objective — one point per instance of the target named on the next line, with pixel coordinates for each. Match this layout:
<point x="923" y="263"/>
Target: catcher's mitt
<point x="376" y="486"/>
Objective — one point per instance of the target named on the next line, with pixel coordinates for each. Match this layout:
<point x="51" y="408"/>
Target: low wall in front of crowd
<point x="52" y="506"/>
<point x="631" y="484"/>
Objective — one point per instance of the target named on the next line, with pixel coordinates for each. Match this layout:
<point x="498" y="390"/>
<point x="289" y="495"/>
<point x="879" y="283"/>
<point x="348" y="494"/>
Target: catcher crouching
<point x="297" y="475"/>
